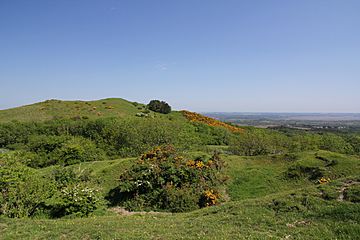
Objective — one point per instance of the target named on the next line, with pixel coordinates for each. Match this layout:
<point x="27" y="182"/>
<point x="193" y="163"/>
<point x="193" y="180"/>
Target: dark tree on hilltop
<point x="159" y="106"/>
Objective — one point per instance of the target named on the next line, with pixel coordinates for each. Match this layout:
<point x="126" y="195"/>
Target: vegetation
<point x="159" y="106"/>
<point x="195" y="117"/>
<point x="164" y="180"/>
<point x="76" y="110"/>
<point x="28" y="193"/>
<point x="70" y="178"/>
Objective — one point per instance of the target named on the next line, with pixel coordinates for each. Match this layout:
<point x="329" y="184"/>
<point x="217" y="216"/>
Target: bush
<point x="335" y="143"/>
<point x="65" y="150"/>
<point x="23" y="192"/>
<point x="159" y="106"/>
<point x="76" y="199"/>
<point x="67" y="176"/>
<point x="164" y="180"/>
<point x="26" y="193"/>
<point x="46" y="143"/>
<point x="78" y="150"/>
<point x="258" y="142"/>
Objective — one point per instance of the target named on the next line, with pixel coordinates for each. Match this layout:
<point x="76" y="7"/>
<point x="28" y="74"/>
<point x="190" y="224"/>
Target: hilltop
<point x="58" y="109"/>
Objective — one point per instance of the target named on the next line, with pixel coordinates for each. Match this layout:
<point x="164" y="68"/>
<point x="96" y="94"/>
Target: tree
<point x="159" y="106"/>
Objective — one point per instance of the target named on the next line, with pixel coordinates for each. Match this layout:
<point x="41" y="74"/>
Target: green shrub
<point x="26" y="193"/>
<point x="23" y="191"/>
<point x="67" y="176"/>
<point x="159" y="106"/>
<point x="335" y="143"/>
<point x="65" y="150"/>
<point x="258" y="142"/>
<point x="164" y="180"/>
<point x="77" y="150"/>
<point x="76" y="199"/>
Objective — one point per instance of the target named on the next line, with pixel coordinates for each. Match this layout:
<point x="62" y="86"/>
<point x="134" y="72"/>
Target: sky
<point x="200" y="55"/>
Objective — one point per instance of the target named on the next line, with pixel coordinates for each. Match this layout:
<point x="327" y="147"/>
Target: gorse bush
<point x="198" y="118"/>
<point x="162" y="179"/>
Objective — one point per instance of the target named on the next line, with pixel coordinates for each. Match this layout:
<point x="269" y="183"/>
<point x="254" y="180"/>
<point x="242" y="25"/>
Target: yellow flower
<point x="190" y="163"/>
<point x="211" y="197"/>
<point x="324" y="180"/>
<point x="200" y="165"/>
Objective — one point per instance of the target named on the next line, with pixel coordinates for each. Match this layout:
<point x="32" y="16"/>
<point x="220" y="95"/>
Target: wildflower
<point x="211" y="197"/>
<point x="190" y="163"/>
<point x="324" y="180"/>
<point x="200" y="165"/>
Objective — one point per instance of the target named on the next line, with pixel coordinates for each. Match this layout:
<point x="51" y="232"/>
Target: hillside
<point x="57" y="109"/>
<point x="263" y="205"/>
<point x="111" y="169"/>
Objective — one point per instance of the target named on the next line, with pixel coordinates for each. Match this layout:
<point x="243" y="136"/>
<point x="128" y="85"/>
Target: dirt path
<point x="123" y="211"/>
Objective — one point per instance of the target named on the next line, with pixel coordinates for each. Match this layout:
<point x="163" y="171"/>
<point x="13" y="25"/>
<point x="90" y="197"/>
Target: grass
<point x="57" y="109"/>
<point x="235" y="220"/>
<point x="103" y="173"/>
<point x="263" y="204"/>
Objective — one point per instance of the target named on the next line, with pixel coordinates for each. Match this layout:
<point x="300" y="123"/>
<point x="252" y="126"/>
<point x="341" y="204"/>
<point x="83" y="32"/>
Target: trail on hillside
<point x="123" y="211"/>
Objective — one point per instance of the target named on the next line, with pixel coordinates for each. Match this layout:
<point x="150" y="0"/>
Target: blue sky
<point x="201" y="55"/>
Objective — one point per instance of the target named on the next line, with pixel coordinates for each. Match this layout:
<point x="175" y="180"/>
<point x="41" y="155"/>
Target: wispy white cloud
<point x="162" y="66"/>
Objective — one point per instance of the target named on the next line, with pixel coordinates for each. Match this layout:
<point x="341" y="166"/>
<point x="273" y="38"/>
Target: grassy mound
<point x="57" y="109"/>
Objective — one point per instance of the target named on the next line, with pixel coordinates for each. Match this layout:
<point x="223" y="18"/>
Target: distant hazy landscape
<point x="297" y="120"/>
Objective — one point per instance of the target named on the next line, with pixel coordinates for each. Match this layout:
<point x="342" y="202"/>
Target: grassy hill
<point x="263" y="204"/>
<point x="57" y="109"/>
<point x="274" y="188"/>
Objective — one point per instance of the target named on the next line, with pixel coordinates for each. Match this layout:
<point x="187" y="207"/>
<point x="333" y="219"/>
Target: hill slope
<point x="53" y="109"/>
<point x="263" y="205"/>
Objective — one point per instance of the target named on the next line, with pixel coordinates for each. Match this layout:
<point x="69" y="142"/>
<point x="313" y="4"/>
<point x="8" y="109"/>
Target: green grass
<point x="55" y="109"/>
<point x="263" y="204"/>
<point x="252" y="177"/>
<point x="103" y="173"/>
<point x="234" y="220"/>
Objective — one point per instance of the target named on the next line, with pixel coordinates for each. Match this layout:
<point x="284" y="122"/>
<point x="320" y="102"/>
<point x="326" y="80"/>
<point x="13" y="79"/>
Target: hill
<point x="111" y="169"/>
<point x="57" y="109"/>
